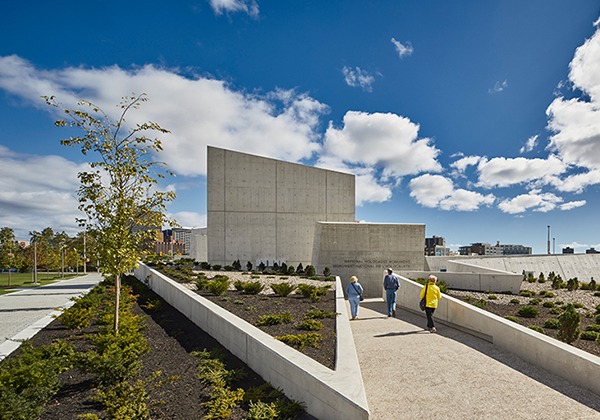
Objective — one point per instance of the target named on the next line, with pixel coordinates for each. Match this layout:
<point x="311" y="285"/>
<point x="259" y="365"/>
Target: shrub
<point x="218" y="286"/>
<point x="30" y="380"/>
<point x="592" y="284"/>
<point x="526" y="293"/>
<point x="589" y="335"/>
<point x="205" y="266"/>
<point x="228" y="268"/>
<point x="319" y="314"/>
<point x="557" y="282"/>
<point x="570" y="321"/>
<point x="492" y="297"/>
<point x="239" y="285"/>
<point x="275" y="319"/>
<point x="548" y="295"/>
<point x="572" y="284"/>
<point x="312" y="292"/>
<point x="528" y="311"/>
<point x="248" y="266"/>
<point x="512" y="318"/>
<point x="216" y="267"/>
<point x="481" y="303"/>
<point x="237" y="265"/>
<point x="556" y="311"/>
<point x="310" y="271"/>
<point x="598" y="319"/>
<point x="311" y="325"/>
<point x="552" y="323"/>
<point x="548" y="305"/>
<point x="253" y="288"/>
<point x="301" y="340"/>
<point x="593" y="327"/>
<point x="326" y="271"/>
<point x="201" y="282"/>
<point x="283" y="289"/>
<point x="536" y="328"/>
<point x="541" y="278"/>
<point x="534" y="301"/>
<point x="262" y="411"/>
<point x="578" y="305"/>
<point x="515" y="301"/>
<point x="291" y="270"/>
<point x="531" y="278"/>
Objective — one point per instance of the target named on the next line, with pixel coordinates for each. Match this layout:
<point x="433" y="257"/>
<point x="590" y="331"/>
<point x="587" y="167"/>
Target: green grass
<point x="20" y="280"/>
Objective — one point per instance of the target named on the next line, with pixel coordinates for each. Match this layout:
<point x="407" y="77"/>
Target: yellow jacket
<point x="433" y="295"/>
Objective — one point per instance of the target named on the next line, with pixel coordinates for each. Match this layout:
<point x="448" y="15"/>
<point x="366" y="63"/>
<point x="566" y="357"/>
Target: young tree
<point x="118" y="194"/>
<point x="8" y="249"/>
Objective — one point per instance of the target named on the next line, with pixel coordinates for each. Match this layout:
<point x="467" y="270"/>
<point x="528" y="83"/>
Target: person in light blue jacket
<point x="354" y="292"/>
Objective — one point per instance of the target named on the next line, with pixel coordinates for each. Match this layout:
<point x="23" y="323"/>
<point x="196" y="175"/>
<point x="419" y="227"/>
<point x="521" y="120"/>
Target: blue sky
<point x="479" y="119"/>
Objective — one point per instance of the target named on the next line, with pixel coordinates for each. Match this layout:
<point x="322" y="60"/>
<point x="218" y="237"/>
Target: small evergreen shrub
<point x="275" y="319"/>
<point x="319" y="314"/>
<point x="301" y="340"/>
<point x="570" y="322"/>
<point x="216" y="267"/>
<point x="253" y="288"/>
<point x="526" y="293"/>
<point x="512" y="318"/>
<point x="515" y="301"/>
<point x="310" y="271"/>
<point x="548" y="305"/>
<point x="480" y="303"/>
<point x="578" y="305"/>
<point x="572" y="284"/>
<point x="534" y="301"/>
<point x="310" y="325"/>
<point x="556" y="311"/>
<point x="589" y="335"/>
<point x="239" y="285"/>
<point x="218" y="286"/>
<point x="528" y="311"/>
<point x="283" y="289"/>
<point x="593" y="327"/>
<point x="552" y="323"/>
<point x="597" y="294"/>
<point x="492" y="297"/>
<point x="536" y="328"/>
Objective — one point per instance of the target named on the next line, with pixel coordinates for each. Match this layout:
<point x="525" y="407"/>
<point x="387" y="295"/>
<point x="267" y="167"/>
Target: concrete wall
<point x="326" y="394"/>
<point x="570" y="363"/>
<point x="481" y="282"/>
<point x="582" y="266"/>
<point x="199" y="245"/>
<point x="366" y="250"/>
<point x="262" y="209"/>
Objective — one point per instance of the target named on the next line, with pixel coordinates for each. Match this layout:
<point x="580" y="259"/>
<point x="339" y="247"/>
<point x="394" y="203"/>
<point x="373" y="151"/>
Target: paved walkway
<point x="24" y="313"/>
<point x="410" y="373"/>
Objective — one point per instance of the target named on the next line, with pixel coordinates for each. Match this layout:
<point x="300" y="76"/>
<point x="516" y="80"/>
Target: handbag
<point x="423" y="302"/>
<point x="360" y="296"/>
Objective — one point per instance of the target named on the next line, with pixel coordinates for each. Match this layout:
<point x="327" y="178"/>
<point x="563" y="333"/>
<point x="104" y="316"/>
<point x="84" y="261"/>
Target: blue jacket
<point x="390" y="282"/>
<point x="352" y="288"/>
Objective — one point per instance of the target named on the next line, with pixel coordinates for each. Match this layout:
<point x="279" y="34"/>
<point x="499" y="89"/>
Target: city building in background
<point x="436" y="246"/>
<point x="479" y="248"/>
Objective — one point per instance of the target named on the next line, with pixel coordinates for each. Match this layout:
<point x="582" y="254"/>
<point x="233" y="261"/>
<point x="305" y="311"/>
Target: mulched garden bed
<point x="171" y="338"/>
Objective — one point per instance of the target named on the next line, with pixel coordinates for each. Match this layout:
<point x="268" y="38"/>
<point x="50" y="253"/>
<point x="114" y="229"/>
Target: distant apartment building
<point x="591" y="251"/>
<point x="480" y="248"/>
<point x="568" y="250"/>
<point x="436" y="246"/>
<point x="178" y="241"/>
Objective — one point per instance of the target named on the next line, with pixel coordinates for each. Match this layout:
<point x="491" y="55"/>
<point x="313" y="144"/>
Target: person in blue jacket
<point x="391" y="284"/>
<point x="354" y="291"/>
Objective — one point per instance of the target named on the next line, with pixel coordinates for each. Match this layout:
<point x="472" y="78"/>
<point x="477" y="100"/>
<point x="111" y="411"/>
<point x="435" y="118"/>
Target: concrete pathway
<point x="410" y="373"/>
<point x="24" y="313"/>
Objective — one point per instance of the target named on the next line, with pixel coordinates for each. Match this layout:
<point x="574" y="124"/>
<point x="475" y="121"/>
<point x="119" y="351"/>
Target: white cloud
<point x="575" y="123"/>
<point x="403" y="50"/>
<point x="368" y="188"/>
<point x="357" y="77"/>
<point x="436" y="191"/>
<point x="231" y="6"/>
<point x="578" y="182"/>
<point x="572" y="205"/>
<point x="198" y="112"/>
<point x="381" y="140"/>
<point x="534" y="200"/>
<point x="503" y="172"/>
<point x="529" y="144"/>
<point x="188" y="219"/>
<point x="498" y="87"/>
<point x="38" y="192"/>
<point x="463" y="163"/>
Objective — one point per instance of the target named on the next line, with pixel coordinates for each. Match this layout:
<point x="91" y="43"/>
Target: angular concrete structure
<point x="366" y="250"/>
<point x="262" y="209"/>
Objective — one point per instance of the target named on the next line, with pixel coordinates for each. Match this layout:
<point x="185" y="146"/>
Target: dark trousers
<point x="429" y="312"/>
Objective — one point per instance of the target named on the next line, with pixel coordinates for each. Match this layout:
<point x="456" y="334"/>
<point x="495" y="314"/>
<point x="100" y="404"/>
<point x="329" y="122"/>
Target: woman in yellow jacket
<point x="431" y="301"/>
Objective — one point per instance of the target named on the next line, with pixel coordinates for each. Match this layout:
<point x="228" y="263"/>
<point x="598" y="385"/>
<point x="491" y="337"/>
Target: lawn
<point x="20" y="280"/>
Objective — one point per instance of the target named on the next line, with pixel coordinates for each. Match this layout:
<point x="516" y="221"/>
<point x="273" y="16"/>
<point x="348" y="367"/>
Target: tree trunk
<point x="117" y="295"/>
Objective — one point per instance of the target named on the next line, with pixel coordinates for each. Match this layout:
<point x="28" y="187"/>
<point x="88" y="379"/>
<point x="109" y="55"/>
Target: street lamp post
<point x="62" y="261"/>
<point x="84" y="253"/>
<point x="35" y="260"/>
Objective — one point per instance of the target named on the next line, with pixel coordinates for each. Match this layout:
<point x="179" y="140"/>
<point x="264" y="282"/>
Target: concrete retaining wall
<point x="326" y="394"/>
<point x="492" y="281"/>
<point x="568" y="362"/>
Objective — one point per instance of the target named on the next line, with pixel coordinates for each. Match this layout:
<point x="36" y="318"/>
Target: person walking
<point x="354" y="292"/>
<point x="391" y="284"/>
<point x="432" y="295"/>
